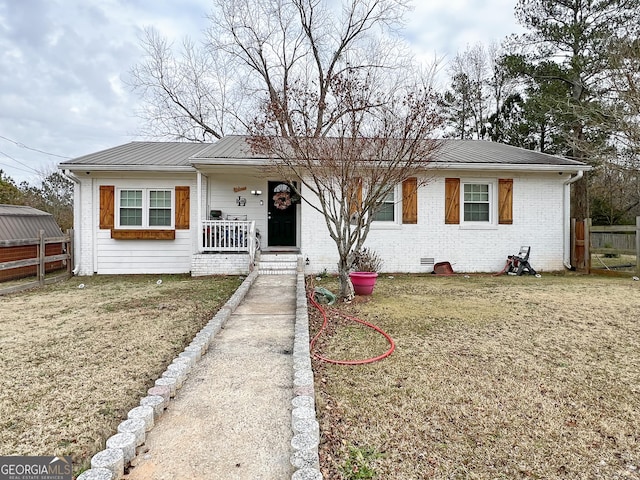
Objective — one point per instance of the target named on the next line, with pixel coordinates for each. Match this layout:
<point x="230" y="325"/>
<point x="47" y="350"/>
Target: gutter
<point x="567" y="218"/>
<point x="76" y="220"/>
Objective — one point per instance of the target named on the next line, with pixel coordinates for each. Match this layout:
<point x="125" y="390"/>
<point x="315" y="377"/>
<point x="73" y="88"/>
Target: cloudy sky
<point x="63" y="64"/>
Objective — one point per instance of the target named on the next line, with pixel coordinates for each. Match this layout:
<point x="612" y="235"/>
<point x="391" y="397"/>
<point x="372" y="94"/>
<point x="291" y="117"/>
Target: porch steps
<point x="278" y="263"/>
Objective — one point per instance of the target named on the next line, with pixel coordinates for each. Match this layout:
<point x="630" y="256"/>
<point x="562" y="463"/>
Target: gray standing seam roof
<point x="173" y="154"/>
<point x="19" y="222"/>
<point x="234" y="148"/>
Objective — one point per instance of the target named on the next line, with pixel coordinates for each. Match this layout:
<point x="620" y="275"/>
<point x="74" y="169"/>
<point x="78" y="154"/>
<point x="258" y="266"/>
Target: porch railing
<point x="229" y="236"/>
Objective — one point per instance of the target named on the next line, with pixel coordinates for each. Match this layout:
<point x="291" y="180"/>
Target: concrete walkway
<point x="232" y="417"/>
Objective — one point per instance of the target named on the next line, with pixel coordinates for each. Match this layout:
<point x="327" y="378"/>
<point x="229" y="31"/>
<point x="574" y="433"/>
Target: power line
<point x="13" y="167"/>
<point x="18" y="161"/>
<point x="22" y="145"/>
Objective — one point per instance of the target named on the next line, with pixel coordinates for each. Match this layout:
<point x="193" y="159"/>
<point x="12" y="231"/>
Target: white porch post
<point x="199" y="197"/>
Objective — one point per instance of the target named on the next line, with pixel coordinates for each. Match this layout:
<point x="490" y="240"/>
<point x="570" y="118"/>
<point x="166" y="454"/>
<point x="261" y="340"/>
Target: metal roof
<point x="483" y="151"/>
<point x="453" y="152"/>
<point x="132" y="154"/>
<point x="234" y="150"/>
<point x="19" y="222"/>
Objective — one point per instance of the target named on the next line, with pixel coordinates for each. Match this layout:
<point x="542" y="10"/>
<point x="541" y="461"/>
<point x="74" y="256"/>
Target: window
<point x="476" y="202"/>
<point x="160" y="208"/>
<point x="131" y="208"/>
<point x="385" y="210"/>
<point x="145" y="208"/>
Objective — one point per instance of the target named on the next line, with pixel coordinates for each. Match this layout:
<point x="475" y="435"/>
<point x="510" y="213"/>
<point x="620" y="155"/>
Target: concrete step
<point x="278" y="263"/>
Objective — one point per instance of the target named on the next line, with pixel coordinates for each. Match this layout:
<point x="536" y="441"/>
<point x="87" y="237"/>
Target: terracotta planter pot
<point x="363" y="282"/>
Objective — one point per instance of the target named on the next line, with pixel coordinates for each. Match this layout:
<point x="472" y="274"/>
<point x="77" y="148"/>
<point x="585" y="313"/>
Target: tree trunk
<point x="580" y="199"/>
<point x="346" y="287"/>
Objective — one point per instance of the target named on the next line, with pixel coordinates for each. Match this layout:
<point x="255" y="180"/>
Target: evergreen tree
<point x="565" y="58"/>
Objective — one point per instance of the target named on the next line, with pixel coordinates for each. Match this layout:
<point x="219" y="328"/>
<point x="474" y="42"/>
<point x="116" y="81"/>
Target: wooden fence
<point x="610" y="240"/>
<point x="41" y="260"/>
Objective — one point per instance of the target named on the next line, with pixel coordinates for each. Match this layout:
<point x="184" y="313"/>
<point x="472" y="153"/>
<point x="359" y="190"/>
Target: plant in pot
<point x="365" y="266"/>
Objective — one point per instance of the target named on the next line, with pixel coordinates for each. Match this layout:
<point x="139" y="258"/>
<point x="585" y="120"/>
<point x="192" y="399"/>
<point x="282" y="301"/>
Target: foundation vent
<point x="427" y="261"/>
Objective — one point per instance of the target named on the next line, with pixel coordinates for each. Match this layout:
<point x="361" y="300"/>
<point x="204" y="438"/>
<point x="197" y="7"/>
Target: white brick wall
<point x="85" y="229"/>
<point x="218" y="264"/>
<point x="537" y="221"/>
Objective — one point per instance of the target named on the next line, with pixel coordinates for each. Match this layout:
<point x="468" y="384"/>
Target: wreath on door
<point x="282" y="197"/>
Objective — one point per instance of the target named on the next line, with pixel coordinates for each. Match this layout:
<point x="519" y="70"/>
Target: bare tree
<point x="339" y="115"/>
<point x="330" y="94"/>
<point x="193" y="96"/>
<point x="473" y="64"/>
<point x="346" y="178"/>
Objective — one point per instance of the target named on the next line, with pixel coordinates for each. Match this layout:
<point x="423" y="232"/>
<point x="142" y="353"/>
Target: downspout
<point x="76" y="217"/>
<point x="199" y="228"/>
<point x="567" y="218"/>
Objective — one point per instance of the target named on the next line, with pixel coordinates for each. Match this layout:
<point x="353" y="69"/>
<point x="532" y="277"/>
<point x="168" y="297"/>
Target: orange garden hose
<point x="358" y="320"/>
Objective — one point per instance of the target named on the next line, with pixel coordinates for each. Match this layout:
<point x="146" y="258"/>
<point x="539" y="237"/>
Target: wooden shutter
<point x="410" y="200"/>
<point x="182" y="208"/>
<point x="451" y="200"/>
<point x="355" y="199"/>
<point x="107" y="206"/>
<point x="505" y="201"/>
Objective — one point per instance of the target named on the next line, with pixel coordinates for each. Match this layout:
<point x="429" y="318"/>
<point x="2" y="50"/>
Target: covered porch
<point x="238" y="217"/>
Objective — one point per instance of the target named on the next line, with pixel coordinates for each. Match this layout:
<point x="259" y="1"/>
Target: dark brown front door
<point x="282" y="216"/>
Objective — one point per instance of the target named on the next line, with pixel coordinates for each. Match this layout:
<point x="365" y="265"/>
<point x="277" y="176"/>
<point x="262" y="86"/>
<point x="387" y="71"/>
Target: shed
<point x="19" y="223"/>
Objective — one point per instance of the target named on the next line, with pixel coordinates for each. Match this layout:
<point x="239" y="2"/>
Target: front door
<point x="281" y="223"/>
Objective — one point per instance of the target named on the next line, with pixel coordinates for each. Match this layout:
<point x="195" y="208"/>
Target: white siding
<point x="144" y="256"/>
<point x="103" y="255"/>
<point x="537" y="221"/>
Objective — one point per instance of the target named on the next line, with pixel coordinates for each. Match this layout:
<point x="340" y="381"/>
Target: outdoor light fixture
<point x="256" y="192"/>
<point x="241" y="201"/>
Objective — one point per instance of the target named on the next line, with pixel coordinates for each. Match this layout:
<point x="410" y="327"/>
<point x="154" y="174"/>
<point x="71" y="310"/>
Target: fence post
<point x="70" y="256"/>
<point x="573" y="260"/>
<point x="41" y="255"/>
<point x="587" y="244"/>
<point x="638" y="245"/>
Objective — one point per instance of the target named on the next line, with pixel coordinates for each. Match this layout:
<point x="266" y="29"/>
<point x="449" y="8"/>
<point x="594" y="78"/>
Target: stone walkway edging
<point x="109" y="464"/>
<point x="304" y="423"/>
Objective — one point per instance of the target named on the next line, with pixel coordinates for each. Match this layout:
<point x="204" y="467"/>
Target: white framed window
<point x="389" y="209"/>
<point x="145" y="208"/>
<point x="478" y="203"/>
<point x="385" y="210"/>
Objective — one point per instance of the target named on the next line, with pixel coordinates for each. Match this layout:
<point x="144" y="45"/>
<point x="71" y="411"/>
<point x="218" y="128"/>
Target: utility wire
<point x="14" y="167"/>
<point x="18" y="161"/>
<point x="22" y="145"/>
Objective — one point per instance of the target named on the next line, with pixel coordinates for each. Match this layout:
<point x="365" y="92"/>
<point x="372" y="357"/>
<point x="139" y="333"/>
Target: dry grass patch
<point x="74" y="361"/>
<point x="493" y="378"/>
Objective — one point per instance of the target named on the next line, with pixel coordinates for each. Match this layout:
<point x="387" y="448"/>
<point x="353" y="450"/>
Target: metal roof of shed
<point x="18" y="222"/>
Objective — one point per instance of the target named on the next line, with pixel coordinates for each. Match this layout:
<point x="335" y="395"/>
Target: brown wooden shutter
<point x="410" y="200"/>
<point x="451" y="200"/>
<point x="505" y="201"/>
<point x="355" y="204"/>
<point x="107" y="206"/>
<point x="182" y="208"/>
